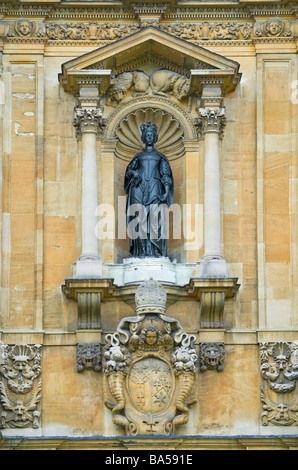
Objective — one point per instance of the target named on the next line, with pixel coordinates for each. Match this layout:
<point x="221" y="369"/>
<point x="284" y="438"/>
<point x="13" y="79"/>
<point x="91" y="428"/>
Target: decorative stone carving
<point x="87" y="120"/>
<point x="210" y="31"/>
<point x="161" y="82"/>
<point x="273" y="28"/>
<point x="166" y="81"/>
<point x="20" y="387"/>
<point x="211" y="120"/>
<point x="170" y="138"/>
<point x="136" y="81"/>
<point x="150" y="367"/>
<point x="212" y="356"/>
<point x="279" y="370"/>
<point x="88" y="356"/>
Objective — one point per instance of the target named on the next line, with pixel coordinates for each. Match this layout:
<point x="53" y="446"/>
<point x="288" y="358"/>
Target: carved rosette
<point x="20" y="386"/>
<point x="150" y="364"/>
<point x="279" y="371"/>
<point x="88" y="120"/>
<point x="211" y="120"/>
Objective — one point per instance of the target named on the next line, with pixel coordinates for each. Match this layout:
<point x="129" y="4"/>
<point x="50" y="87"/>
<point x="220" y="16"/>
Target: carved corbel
<point x="88" y="310"/>
<point x="212" y="356"/>
<point x="212" y="308"/>
<point x="88" y="356"/>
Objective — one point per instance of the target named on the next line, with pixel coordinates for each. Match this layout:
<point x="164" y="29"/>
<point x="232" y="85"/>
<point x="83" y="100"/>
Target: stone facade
<point x="220" y="81"/>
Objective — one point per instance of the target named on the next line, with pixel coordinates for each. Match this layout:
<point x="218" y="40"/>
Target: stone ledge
<point x="191" y="443"/>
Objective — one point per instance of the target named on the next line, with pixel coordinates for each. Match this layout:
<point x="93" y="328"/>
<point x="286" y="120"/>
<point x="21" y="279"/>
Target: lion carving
<point x="161" y="82"/>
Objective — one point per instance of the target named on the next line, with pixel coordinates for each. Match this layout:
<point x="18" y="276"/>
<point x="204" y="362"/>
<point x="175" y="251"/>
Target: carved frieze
<point x="272" y="28"/>
<point x="76" y="31"/>
<point x="212" y="356"/>
<point x="279" y="371"/>
<point x="88" y="357"/>
<point x="150" y="367"/>
<point x="20" y="386"/>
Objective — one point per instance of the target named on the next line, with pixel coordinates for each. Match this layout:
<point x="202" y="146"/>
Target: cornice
<point x="118" y="10"/>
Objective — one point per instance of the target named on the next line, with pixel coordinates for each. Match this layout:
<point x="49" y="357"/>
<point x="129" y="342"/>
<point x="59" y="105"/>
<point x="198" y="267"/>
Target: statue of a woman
<point x="149" y="185"/>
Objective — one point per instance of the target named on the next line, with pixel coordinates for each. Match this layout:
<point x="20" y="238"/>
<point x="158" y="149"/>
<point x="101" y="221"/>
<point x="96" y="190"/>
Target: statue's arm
<point x="166" y="178"/>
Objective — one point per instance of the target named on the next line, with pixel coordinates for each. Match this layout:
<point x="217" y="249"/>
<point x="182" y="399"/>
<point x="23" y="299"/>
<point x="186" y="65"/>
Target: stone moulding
<point x="212" y="293"/>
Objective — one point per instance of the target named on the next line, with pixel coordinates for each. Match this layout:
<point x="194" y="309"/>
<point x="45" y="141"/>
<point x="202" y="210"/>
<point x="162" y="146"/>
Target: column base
<point x="213" y="267"/>
<point x="89" y="266"/>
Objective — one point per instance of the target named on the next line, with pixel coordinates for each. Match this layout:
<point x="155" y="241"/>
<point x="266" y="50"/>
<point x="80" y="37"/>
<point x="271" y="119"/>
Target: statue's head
<point x="149" y="133"/>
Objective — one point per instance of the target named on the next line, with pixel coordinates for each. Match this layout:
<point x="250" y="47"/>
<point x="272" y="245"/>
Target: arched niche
<point x="175" y="127"/>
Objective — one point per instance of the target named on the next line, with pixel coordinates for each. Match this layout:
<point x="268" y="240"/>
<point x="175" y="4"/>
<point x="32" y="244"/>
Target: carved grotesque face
<point x="212" y="357"/>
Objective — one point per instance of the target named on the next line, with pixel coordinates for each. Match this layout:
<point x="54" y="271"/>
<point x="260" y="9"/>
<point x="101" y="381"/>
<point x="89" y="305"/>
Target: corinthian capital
<point x="211" y="120"/>
<point x="87" y="120"/>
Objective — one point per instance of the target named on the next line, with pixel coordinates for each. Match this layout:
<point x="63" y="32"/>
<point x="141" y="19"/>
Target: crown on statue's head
<point x="151" y="297"/>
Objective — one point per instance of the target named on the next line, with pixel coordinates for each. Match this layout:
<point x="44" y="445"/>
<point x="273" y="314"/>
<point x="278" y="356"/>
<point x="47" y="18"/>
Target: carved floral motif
<point x="87" y="120"/>
<point x="20" y="387"/>
<point x="150" y="367"/>
<point x="279" y="370"/>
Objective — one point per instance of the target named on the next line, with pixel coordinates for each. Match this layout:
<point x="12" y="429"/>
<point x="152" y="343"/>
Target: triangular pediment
<point x="149" y="46"/>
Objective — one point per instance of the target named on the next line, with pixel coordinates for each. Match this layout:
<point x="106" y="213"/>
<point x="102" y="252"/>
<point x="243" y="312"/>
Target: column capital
<point x="211" y="120"/>
<point x="88" y="120"/>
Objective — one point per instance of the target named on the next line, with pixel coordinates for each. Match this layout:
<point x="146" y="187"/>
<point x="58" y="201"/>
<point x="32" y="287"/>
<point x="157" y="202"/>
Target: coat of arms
<point x="150" y="365"/>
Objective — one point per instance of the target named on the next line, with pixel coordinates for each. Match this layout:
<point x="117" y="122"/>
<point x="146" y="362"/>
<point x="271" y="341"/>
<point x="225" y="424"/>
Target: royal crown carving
<point x="150" y="365"/>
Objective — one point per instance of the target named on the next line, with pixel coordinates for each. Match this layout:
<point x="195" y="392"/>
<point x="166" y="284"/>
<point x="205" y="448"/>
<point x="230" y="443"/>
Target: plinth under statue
<point x="149" y="185"/>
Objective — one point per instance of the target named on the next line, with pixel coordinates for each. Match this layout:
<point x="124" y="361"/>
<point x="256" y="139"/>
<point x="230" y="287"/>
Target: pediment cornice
<point x="150" y="45"/>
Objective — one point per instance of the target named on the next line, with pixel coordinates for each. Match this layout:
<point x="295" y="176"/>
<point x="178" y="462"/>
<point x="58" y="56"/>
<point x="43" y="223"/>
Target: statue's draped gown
<point x="153" y="175"/>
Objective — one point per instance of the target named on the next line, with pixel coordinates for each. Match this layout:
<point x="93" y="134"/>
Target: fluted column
<point x="87" y="123"/>
<point x="212" y="122"/>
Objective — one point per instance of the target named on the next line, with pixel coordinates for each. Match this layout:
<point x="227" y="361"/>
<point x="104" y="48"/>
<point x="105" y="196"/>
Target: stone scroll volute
<point x="150" y="366"/>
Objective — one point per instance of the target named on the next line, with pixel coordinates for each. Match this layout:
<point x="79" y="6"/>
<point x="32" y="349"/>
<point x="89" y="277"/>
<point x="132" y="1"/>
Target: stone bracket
<point x="212" y="309"/>
<point x="88" y="310"/>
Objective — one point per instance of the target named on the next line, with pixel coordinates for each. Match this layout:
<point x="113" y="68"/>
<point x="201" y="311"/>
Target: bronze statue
<point x="149" y="185"/>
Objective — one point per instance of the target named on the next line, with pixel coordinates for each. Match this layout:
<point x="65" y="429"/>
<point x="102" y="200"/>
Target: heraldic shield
<point x="150" y="365"/>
